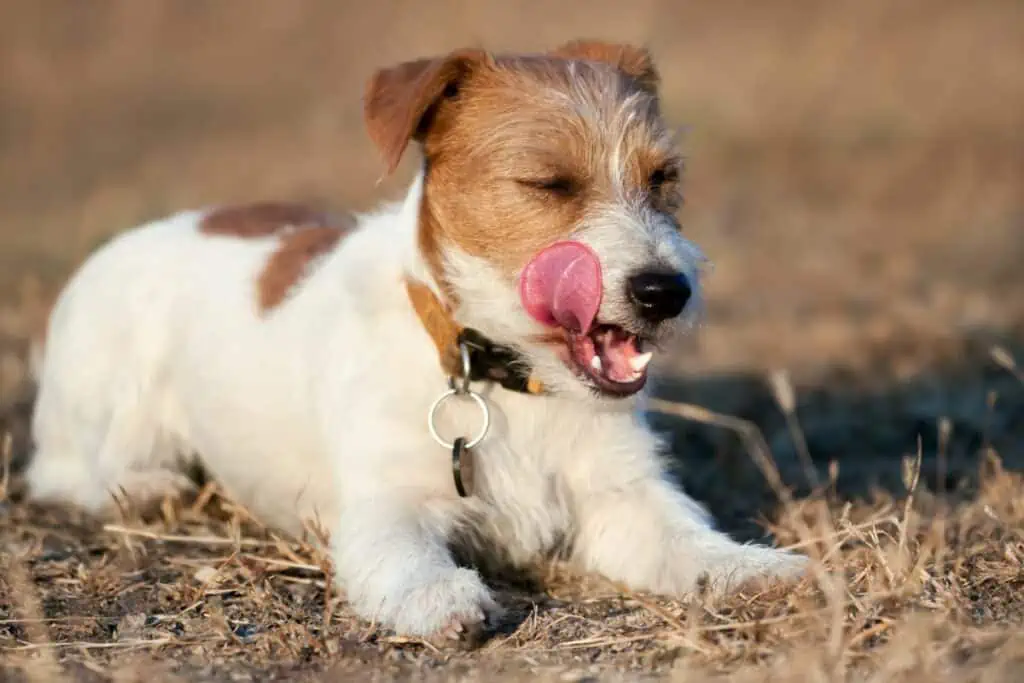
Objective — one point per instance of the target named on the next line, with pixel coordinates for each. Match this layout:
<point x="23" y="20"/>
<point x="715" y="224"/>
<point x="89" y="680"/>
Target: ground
<point x="856" y="174"/>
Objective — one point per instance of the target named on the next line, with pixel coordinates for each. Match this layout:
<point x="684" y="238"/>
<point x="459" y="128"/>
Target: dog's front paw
<point x="147" y="488"/>
<point x="451" y="611"/>
<point x="750" y="566"/>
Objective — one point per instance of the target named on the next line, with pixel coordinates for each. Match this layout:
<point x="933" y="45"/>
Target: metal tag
<point x="462" y="467"/>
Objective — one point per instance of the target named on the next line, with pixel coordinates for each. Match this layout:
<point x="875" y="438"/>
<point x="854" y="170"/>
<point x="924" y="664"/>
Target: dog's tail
<point x="38" y="324"/>
<point x="16" y="410"/>
<point x="36" y="347"/>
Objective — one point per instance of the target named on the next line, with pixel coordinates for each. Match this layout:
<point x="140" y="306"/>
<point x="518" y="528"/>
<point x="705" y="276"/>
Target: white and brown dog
<point x="530" y="272"/>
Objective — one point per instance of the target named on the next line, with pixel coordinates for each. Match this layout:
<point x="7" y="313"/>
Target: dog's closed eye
<point x="559" y="186"/>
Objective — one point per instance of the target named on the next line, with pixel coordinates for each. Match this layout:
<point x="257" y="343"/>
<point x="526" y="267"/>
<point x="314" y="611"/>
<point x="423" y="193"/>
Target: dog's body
<point x="300" y="357"/>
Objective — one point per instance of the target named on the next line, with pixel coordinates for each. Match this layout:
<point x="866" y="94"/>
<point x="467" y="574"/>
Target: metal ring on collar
<point x="480" y="402"/>
<point x="463" y="386"/>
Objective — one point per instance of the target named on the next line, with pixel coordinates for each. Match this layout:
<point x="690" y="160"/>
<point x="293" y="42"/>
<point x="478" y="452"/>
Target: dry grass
<point x="926" y="587"/>
<point x="857" y="176"/>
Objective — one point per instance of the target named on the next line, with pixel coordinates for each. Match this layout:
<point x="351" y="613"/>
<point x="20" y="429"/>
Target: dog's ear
<point x="630" y="59"/>
<point x="400" y="101"/>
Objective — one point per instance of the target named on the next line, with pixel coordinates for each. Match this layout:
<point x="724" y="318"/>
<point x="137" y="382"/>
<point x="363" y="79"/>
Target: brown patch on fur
<point x="291" y="261"/>
<point x="438" y="321"/>
<point x="399" y="100"/>
<point x="261" y="219"/>
<point x="306" y="234"/>
<point x="520" y="150"/>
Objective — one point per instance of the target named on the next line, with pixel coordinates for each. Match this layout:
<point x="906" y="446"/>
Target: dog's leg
<point x="86" y="454"/>
<point x="653" y="537"/>
<point x="393" y="561"/>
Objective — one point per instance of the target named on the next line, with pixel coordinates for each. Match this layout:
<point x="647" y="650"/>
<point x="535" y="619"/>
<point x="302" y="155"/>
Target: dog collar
<point x="488" y="361"/>
<point x="467" y="356"/>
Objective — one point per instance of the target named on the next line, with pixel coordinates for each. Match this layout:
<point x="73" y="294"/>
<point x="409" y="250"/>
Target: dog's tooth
<point x="639" y="363"/>
<point x="595" y="363"/>
<point x="632" y="377"/>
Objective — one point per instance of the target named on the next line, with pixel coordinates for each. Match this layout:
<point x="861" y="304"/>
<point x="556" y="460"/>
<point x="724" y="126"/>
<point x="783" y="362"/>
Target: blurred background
<point x="856" y="174"/>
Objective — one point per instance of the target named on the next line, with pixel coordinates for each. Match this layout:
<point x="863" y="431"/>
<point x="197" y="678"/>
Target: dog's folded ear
<point x="401" y="101"/>
<point x="630" y="59"/>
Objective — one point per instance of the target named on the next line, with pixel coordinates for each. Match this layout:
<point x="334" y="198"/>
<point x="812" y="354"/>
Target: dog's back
<point x="144" y="322"/>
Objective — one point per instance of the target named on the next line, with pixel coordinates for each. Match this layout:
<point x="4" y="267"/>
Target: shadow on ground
<point x="858" y="428"/>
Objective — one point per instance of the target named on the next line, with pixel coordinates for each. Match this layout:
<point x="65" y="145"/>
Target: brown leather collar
<point x="488" y="361"/>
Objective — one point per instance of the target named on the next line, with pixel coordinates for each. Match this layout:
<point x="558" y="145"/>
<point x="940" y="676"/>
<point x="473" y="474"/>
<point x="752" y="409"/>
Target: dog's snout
<point x="658" y="295"/>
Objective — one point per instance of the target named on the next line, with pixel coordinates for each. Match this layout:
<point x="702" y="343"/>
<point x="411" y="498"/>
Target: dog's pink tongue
<point x="562" y="286"/>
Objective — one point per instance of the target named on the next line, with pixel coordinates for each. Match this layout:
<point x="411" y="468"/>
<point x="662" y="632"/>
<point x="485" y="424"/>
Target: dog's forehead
<point x="559" y="71"/>
<point x="557" y="82"/>
<point x="541" y="103"/>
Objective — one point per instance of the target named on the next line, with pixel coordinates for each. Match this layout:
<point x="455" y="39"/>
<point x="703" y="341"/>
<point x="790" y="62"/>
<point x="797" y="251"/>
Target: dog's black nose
<point x="658" y="295"/>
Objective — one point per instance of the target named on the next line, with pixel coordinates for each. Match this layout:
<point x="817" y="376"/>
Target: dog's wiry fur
<point x="316" y="408"/>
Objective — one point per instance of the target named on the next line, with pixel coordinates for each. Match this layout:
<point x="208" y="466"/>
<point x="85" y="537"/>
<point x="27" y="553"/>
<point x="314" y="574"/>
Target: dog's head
<point x="550" y="189"/>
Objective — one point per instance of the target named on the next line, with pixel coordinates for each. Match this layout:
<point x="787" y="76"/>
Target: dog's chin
<point x="610" y="360"/>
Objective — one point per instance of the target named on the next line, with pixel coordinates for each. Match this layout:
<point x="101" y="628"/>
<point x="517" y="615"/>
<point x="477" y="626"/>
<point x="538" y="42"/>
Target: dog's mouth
<point x="562" y="288"/>
<point x="611" y="358"/>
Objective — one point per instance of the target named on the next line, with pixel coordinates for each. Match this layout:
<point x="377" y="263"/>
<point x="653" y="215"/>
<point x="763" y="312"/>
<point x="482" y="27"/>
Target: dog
<point x="460" y="373"/>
